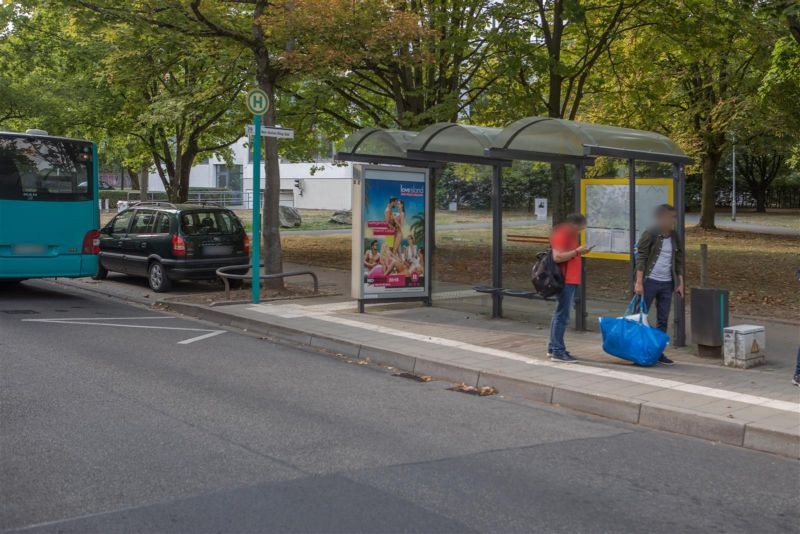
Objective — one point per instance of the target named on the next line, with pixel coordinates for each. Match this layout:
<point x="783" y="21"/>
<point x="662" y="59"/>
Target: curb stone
<point x="651" y="415"/>
<point x="604" y="405"/>
<point x="769" y="440"/>
<point x="683" y="421"/>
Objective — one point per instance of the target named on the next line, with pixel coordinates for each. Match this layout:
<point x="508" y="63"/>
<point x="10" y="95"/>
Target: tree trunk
<point x="559" y="199"/>
<point x="144" y="182"/>
<point x="761" y="201"/>
<point x="183" y="170"/>
<point x="710" y="162"/>
<point x="271" y="228"/>
<point x="134" y="178"/>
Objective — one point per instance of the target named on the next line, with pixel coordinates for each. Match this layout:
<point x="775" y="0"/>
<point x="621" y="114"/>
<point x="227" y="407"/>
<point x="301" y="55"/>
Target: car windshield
<point x="209" y="222"/>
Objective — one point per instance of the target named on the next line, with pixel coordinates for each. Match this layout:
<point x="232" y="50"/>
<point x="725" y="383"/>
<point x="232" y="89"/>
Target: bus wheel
<point x="157" y="278"/>
<point x="101" y="274"/>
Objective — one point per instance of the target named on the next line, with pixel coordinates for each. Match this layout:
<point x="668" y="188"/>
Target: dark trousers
<point x="797" y="367"/>
<point x="661" y="292"/>
<point x="558" y="325"/>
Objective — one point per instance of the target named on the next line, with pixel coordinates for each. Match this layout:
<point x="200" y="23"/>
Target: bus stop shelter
<point x="542" y="139"/>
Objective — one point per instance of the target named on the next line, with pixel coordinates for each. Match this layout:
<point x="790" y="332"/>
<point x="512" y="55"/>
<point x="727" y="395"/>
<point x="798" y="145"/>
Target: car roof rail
<point x="155" y="203"/>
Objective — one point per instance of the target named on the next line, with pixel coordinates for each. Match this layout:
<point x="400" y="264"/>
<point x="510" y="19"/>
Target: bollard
<point x="703" y="265"/>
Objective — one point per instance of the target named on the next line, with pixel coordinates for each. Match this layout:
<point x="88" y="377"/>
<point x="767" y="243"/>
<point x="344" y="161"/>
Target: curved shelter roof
<point x="447" y="141"/>
<point x="534" y="137"/>
<point x="377" y="145"/>
<point x="531" y="138"/>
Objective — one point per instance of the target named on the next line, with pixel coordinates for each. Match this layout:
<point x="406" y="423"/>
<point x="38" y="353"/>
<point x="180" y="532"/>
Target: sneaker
<point x="796" y="380"/>
<point x="663" y="360"/>
<point x="563" y="358"/>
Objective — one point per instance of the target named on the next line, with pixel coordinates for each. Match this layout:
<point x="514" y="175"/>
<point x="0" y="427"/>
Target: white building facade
<point x="319" y="185"/>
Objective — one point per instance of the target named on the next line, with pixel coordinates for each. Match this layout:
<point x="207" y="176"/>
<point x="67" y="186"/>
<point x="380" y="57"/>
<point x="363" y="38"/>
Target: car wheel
<point x="102" y="272"/>
<point x="157" y="278"/>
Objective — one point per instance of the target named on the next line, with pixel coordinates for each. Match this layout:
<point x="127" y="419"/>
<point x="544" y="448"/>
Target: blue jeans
<point x="661" y="292"/>
<point x="558" y="325"/>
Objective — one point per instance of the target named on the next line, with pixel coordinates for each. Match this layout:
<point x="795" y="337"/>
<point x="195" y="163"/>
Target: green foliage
<point x="159" y="82"/>
<point x="471" y="186"/>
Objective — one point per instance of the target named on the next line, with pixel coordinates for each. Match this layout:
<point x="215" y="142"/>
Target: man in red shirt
<point x="564" y="240"/>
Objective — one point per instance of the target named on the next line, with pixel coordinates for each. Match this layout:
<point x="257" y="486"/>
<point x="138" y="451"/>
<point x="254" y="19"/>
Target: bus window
<point x="34" y="168"/>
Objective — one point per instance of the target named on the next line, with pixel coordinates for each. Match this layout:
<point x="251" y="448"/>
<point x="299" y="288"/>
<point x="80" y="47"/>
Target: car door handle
<point x="143" y="245"/>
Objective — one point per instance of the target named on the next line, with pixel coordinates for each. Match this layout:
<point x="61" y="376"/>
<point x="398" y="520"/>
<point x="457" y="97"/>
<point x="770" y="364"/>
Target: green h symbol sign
<point x="257" y="102"/>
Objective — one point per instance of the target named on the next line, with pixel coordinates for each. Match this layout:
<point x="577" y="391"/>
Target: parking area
<point x="51" y="312"/>
<point x="135" y="288"/>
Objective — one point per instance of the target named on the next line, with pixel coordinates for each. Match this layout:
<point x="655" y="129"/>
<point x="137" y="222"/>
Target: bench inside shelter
<point x="530" y="294"/>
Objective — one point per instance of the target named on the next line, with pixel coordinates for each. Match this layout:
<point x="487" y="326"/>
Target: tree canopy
<point x="159" y="82"/>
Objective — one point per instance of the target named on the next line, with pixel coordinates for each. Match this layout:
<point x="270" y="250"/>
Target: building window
<point x="229" y="178"/>
<point x="287" y="197"/>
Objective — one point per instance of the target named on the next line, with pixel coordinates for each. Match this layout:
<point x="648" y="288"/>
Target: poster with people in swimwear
<point x="393" y="262"/>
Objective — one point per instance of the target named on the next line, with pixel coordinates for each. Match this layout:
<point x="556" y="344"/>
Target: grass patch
<point x="312" y="220"/>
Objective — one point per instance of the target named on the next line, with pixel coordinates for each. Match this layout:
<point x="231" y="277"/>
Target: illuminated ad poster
<point x="393" y="259"/>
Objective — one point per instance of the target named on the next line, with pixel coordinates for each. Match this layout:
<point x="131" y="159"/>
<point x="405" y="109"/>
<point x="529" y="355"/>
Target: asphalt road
<point x="111" y="424"/>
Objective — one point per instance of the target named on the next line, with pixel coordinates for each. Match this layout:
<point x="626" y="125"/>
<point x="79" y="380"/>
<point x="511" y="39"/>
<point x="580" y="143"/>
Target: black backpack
<point x="546" y="275"/>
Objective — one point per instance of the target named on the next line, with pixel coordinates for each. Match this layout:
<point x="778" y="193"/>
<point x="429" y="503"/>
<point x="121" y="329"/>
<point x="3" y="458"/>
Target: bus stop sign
<point x="257" y="102"/>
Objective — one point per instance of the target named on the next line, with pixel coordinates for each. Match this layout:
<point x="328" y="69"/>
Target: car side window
<point x="143" y="222"/>
<point x="162" y="223"/>
<point x="120" y="224"/>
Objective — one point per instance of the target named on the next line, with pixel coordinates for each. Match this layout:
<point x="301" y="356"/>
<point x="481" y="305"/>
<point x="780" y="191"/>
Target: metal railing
<point x="233" y="199"/>
<point x="226" y="276"/>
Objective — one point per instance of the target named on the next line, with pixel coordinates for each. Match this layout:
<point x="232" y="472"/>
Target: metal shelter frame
<point x="544" y="139"/>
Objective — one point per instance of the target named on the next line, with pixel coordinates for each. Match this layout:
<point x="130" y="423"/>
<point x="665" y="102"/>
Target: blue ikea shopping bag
<point x="633" y="340"/>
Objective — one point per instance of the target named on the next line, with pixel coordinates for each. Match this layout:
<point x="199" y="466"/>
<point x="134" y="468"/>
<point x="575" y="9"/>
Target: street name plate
<point x="271" y="131"/>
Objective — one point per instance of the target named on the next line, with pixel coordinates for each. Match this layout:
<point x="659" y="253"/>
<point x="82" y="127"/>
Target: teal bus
<point x="49" y="215"/>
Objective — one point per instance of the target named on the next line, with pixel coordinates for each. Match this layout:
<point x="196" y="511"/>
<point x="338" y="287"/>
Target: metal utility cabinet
<point x="745" y="346"/>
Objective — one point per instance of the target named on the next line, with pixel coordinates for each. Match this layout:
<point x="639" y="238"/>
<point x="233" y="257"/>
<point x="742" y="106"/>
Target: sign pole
<point x="256" y="248"/>
<point x="258" y="104"/>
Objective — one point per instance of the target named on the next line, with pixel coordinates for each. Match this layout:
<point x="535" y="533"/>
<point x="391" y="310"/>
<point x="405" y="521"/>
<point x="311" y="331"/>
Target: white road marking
<point x="84" y="321"/>
<point x="92" y="323"/>
<point x="139" y="318"/>
<point x="582" y="368"/>
<point x="200" y="338"/>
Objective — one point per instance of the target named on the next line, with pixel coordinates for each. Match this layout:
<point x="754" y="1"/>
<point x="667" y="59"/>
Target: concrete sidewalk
<point x="754" y="409"/>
